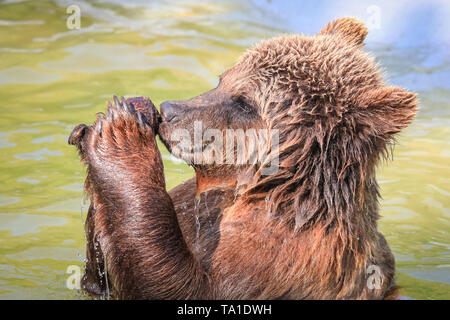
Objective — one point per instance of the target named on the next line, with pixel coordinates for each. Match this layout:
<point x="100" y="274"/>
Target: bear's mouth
<point x="171" y="118"/>
<point x="163" y="132"/>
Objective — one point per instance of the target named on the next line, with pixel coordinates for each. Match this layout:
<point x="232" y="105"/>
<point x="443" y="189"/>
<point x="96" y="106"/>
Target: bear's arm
<point x="134" y="219"/>
<point x="93" y="281"/>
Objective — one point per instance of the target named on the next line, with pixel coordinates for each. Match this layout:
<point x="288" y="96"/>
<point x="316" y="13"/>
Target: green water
<point x="52" y="78"/>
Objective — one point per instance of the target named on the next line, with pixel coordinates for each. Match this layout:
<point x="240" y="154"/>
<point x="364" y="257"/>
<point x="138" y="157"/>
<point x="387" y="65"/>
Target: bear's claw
<point x="98" y="125"/>
<point x="142" y="109"/>
<point x="77" y="134"/>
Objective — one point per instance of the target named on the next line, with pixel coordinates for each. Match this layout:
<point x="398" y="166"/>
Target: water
<point x="52" y="78"/>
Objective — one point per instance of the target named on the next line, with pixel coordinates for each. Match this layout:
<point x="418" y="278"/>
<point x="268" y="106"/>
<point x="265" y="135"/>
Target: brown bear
<point x="305" y="230"/>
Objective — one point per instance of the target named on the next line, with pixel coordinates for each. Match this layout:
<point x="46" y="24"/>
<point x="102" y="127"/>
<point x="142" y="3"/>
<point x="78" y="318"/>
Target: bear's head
<point x="321" y="114"/>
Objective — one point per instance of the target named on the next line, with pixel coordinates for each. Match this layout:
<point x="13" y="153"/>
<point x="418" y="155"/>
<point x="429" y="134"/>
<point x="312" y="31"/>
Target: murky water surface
<point x="52" y="78"/>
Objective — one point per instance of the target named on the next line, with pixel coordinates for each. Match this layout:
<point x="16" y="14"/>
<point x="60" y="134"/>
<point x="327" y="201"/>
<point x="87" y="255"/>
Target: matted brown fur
<point x="307" y="231"/>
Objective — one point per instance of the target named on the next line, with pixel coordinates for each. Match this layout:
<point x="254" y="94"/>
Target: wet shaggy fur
<point x="306" y="231"/>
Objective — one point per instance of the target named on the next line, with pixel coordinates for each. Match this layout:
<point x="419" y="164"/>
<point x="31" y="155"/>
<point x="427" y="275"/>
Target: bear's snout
<point x="170" y="111"/>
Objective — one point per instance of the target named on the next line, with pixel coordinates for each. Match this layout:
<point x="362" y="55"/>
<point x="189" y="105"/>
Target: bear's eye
<point x="242" y="104"/>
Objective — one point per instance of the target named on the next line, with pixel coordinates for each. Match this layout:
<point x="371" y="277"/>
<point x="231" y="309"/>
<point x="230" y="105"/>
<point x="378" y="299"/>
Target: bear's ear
<point x="388" y="109"/>
<point x="351" y="29"/>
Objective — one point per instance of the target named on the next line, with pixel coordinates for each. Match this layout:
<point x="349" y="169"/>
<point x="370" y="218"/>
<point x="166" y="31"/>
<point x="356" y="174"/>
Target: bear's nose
<point x="169" y="110"/>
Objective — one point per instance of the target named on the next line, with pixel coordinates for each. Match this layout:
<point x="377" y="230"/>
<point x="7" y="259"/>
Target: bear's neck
<point x="206" y="182"/>
<point x="220" y="179"/>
